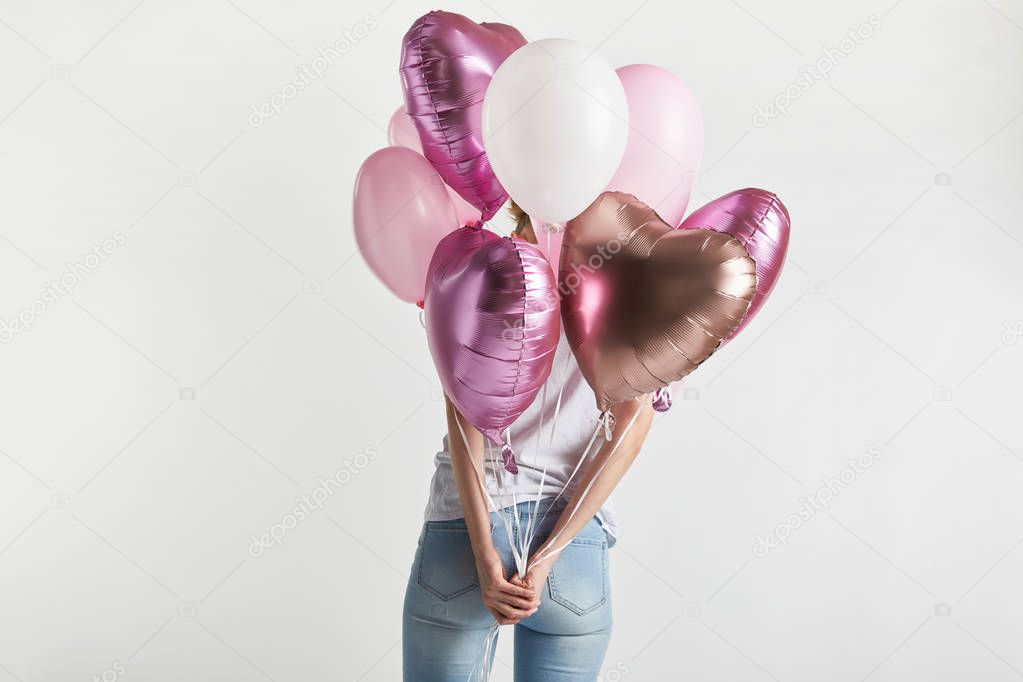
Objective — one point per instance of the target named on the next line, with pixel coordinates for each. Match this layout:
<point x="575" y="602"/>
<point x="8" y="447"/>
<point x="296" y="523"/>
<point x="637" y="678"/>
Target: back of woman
<point x="528" y="549"/>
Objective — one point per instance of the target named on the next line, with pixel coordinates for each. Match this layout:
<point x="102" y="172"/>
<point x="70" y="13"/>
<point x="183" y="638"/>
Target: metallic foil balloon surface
<point x="447" y="61"/>
<point x="492" y="324"/>
<point x="760" y="222"/>
<point x="644" y="304"/>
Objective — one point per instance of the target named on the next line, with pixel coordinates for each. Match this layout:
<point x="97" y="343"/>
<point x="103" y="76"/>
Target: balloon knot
<point x="421" y="304"/>
<point x="662" y="399"/>
<point x="609" y="424"/>
<point x="509" y="460"/>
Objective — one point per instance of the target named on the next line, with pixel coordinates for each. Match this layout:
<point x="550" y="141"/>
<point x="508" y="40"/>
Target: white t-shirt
<point x="531" y="439"/>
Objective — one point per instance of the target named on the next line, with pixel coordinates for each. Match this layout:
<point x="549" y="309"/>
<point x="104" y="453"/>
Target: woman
<point x="464" y="578"/>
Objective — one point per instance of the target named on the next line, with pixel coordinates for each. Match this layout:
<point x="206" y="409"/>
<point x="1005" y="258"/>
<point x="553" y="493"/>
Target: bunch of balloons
<point x="603" y="161"/>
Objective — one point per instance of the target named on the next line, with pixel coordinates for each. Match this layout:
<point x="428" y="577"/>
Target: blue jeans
<point x="445" y="622"/>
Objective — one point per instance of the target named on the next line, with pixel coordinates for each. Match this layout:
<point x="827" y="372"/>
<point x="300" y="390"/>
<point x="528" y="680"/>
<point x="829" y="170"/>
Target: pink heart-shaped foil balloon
<point x="760" y="222"/>
<point x="643" y="303"/>
<point x="492" y="324"/>
<point x="447" y="61"/>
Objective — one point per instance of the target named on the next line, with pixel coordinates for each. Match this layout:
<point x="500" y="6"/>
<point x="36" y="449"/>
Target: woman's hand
<point x="508" y="602"/>
<point x="536" y="577"/>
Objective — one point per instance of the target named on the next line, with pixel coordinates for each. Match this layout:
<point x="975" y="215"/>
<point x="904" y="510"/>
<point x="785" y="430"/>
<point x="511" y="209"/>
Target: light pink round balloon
<point x="401" y="133"/>
<point x="401" y="210"/>
<point x="665" y="142"/>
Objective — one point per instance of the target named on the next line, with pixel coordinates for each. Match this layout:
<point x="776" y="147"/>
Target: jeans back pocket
<point x="447" y="567"/>
<point x="578" y="580"/>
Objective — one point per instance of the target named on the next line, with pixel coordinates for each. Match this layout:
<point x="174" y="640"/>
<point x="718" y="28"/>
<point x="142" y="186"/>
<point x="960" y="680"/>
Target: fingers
<point x="513" y="613"/>
<point x="530" y="604"/>
<point x="503" y="621"/>
<point x="510" y="608"/>
<point x="528" y="583"/>
<point x="500" y="616"/>
<point x="509" y="600"/>
<point x="516" y="588"/>
<point x="510" y="594"/>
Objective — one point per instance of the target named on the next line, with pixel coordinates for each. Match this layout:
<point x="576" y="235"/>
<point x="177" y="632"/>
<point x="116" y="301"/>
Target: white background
<point x="235" y="348"/>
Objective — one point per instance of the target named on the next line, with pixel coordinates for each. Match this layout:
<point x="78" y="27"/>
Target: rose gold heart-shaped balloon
<point x="761" y="223"/>
<point x="644" y="304"/>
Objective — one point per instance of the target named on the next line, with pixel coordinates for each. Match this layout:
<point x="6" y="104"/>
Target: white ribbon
<point x="481" y="479"/>
<point x="547" y="554"/>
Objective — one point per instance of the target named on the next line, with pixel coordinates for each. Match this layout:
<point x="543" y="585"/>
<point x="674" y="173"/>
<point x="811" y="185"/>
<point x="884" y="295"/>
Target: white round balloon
<point x="555" y="124"/>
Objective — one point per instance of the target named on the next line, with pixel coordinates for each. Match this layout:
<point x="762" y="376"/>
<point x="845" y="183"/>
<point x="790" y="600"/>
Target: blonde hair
<point x="520" y="217"/>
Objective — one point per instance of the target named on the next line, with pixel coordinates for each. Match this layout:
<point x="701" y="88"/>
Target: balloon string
<point x="531" y="526"/>
<point x="561" y="391"/>
<point x="548" y="554"/>
<point x="504" y="492"/>
<point x="528" y="535"/>
<point x="485" y="663"/>
<point x="582" y="458"/>
<point x="543" y="406"/>
<point x="520" y="556"/>
<point x="481" y="479"/>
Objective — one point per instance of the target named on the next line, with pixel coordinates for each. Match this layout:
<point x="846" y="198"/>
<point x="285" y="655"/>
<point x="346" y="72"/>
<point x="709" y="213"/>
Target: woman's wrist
<point x="485" y="552"/>
<point x="543" y="553"/>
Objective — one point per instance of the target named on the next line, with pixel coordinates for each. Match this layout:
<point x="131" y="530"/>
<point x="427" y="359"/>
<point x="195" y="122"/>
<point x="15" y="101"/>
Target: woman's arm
<point x="509" y="603"/>
<point x="603" y="482"/>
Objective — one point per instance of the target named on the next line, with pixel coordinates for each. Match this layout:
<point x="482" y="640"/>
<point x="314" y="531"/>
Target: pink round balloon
<point x="401" y="133"/>
<point x="760" y="222"/>
<point x="665" y="140"/>
<point x="492" y="323"/>
<point x="447" y="61"/>
<point x="401" y="210"/>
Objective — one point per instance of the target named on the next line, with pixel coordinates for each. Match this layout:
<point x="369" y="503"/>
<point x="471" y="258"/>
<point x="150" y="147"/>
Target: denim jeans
<point x="445" y="622"/>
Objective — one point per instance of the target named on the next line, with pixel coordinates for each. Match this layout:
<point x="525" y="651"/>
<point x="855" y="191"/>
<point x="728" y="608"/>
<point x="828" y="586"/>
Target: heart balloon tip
<point x="662" y="399"/>
<point x="510" y="465"/>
